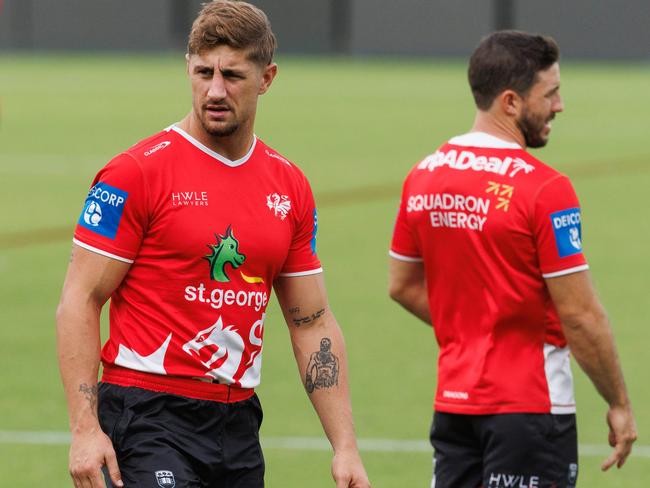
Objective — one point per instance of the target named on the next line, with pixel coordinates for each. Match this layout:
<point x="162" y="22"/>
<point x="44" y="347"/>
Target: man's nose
<point x="217" y="90"/>
<point x="558" y="104"/>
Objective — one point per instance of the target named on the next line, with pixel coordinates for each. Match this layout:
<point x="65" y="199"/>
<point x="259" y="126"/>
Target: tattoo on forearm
<point x="308" y="318"/>
<point x="90" y="392"/>
<point x="72" y="254"/>
<point x="323" y="368"/>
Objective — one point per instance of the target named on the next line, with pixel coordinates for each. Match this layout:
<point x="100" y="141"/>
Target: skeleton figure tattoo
<point x="323" y="368"/>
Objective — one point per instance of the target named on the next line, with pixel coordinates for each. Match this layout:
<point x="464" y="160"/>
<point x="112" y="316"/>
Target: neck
<point x="504" y="129"/>
<point x="233" y="147"/>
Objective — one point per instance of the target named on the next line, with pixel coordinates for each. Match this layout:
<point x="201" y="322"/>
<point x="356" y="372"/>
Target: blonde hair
<point x="239" y="25"/>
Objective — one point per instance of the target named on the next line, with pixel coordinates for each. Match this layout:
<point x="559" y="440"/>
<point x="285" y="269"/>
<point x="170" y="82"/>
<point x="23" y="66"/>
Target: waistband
<point x="196" y="388"/>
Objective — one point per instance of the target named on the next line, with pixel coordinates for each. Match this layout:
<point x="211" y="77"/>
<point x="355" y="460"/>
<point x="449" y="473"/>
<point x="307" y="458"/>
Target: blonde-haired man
<point x="187" y="232"/>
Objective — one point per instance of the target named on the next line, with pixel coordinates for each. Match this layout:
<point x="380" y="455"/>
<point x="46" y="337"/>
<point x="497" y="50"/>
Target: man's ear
<point x="510" y="103"/>
<point x="268" y="75"/>
<point x="187" y="62"/>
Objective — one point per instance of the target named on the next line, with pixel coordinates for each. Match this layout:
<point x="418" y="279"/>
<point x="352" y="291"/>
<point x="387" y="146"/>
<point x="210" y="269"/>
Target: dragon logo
<point x="280" y="204"/>
<point x="226" y="251"/>
<point x="224" y="362"/>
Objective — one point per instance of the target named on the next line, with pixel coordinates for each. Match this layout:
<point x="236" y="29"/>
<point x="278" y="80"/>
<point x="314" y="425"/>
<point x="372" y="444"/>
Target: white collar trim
<point x="214" y="154"/>
<point x="482" y="139"/>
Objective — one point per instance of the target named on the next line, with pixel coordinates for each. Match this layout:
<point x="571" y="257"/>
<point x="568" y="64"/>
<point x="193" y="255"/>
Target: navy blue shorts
<point x="506" y="450"/>
<point x="170" y="441"/>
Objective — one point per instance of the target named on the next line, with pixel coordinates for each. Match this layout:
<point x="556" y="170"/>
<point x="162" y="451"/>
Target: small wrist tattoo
<point x="90" y="393"/>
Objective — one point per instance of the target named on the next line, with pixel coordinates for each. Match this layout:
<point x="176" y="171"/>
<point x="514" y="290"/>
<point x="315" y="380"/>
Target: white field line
<point x="303" y="443"/>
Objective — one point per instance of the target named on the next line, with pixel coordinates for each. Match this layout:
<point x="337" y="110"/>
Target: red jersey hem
<point x="176" y="385"/>
<point x="492" y="409"/>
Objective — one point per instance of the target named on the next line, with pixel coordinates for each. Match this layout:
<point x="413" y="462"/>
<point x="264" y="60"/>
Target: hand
<point x="348" y="470"/>
<point x="89" y="452"/>
<point x="622" y="434"/>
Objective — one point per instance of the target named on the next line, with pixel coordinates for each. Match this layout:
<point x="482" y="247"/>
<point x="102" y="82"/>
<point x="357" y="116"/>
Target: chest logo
<point x="279" y="204"/>
<point x="225" y="251"/>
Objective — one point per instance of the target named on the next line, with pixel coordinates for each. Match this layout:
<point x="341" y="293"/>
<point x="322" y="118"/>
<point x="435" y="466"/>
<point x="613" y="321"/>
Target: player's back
<point x="478" y="212"/>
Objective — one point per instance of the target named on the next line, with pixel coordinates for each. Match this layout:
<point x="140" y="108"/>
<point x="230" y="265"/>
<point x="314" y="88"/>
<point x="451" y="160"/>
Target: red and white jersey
<point x="490" y="222"/>
<point x="206" y="237"/>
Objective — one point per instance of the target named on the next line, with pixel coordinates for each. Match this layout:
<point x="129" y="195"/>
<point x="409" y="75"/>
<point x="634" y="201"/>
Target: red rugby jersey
<point x="490" y="223"/>
<point x="206" y="237"/>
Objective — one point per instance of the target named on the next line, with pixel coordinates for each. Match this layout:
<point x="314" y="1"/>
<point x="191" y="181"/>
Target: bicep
<point x="573" y="295"/>
<point x="92" y="276"/>
<point x="403" y="275"/>
<point x="303" y="299"/>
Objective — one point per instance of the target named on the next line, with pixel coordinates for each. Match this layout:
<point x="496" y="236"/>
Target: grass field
<point x="355" y="128"/>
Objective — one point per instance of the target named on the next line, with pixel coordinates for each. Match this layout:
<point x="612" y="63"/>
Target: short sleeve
<point x="558" y="229"/>
<point x="114" y="215"/>
<point x="302" y="259"/>
<point x="404" y="246"/>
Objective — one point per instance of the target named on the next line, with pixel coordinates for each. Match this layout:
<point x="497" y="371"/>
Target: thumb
<point x="114" y="470"/>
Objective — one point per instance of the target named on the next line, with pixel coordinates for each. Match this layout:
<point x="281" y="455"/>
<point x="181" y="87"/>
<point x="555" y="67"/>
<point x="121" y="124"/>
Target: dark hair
<point x="239" y="25"/>
<point x="508" y="60"/>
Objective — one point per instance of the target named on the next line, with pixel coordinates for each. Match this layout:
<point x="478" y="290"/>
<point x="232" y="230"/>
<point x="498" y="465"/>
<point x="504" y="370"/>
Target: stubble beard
<point x="532" y="128"/>
<point x="221" y="131"/>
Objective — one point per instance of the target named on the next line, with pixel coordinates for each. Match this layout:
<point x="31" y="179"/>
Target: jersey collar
<point x="482" y="139"/>
<point x="214" y="154"/>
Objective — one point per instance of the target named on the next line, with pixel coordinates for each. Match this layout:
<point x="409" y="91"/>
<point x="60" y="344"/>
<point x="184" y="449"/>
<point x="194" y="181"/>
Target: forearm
<point x="416" y="302"/>
<point x="322" y="361"/>
<point x="592" y="344"/>
<point x="407" y="286"/>
<point x="78" y="348"/>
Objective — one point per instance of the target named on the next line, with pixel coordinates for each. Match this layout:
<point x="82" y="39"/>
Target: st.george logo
<point x="225" y="251"/>
<point x="165" y="479"/>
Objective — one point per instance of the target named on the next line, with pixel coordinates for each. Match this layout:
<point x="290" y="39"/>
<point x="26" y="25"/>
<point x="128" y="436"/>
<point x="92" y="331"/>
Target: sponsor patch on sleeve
<point x="568" y="231"/>
<point x="313" y="234"/>
<point x="103" y="209"/>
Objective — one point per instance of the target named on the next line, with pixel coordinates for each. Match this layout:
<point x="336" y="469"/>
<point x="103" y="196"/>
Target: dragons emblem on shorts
<point x="225" y="251"/>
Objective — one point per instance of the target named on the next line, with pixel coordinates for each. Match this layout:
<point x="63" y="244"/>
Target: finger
<point x="97" y="480"/>
<point x="114" y="470"/>
<point x="342" y="482"/>
<point x="75" y="480"/>
<point x="80" y="480"/>
<point x="627" y="449"/>
<point x="612" y="439"/>
<point x="613" y="458"/>
<point x="84" y="481"/>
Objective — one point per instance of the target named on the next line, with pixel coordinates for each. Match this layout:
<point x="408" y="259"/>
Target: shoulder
<point x="130" y="164"/>
<point x="153" y="146"/>
<point x="280" y="164"/>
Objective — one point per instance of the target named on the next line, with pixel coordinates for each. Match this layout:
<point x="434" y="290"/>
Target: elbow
<point x="60" y="313"/>
<point x="396" y="291"/>
<point x="582" y="320"/>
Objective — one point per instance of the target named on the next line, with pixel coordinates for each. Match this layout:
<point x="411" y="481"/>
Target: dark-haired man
<point x="186" y="232"/>
<point x="487" y="248"/>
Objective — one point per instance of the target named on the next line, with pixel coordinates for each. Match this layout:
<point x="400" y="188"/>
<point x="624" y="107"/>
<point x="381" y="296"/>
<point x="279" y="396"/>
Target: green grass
<point x="351" y="126"/>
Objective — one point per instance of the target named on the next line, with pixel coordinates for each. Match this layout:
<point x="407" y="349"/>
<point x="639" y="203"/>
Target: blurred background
<point x="584" y="28"/>
<point x="365" y="90"/>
